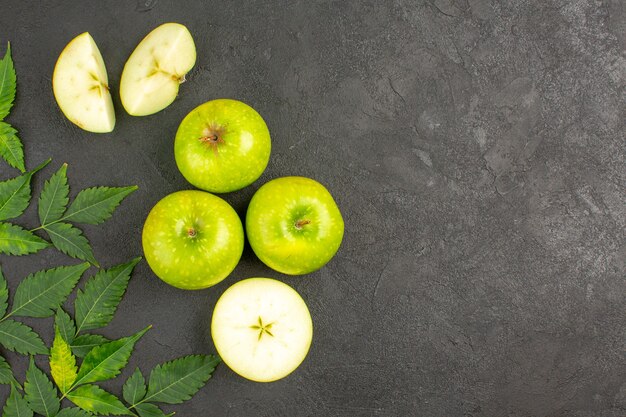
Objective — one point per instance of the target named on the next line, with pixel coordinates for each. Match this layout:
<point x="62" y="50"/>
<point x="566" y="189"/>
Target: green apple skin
<point x="192" y="239"/>
<point x="293" y="225"/>
<point x="222" y="146"/>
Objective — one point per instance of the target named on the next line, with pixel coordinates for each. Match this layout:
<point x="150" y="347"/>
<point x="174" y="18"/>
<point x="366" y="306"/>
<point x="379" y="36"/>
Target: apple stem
<point x="301" y="223"/>
<point x="191" y="232"/>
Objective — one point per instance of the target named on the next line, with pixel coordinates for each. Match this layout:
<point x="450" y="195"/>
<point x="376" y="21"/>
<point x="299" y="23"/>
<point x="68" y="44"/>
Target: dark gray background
<point x="475" y="147"/>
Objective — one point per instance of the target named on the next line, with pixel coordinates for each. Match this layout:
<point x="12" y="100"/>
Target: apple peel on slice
<point x="81" y="86"/>
<point x="156" y="68"/>
<point x="262" y="329"/>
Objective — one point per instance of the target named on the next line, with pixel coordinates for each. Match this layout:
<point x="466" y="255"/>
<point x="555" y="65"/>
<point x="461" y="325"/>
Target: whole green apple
<point x="192" y="239"/>
<point x="294" y="226"/>
<point x="222" y="146"/>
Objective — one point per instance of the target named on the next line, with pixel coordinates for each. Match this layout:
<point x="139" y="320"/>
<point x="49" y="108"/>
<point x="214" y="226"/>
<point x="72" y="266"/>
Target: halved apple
<point x="156" y="68"/>
<point x="81" y="86"/>
<point x="262" y="329"/>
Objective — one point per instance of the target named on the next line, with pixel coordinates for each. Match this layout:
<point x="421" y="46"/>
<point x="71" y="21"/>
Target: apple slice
<point x="262" y="329"/>
<point x="80" y="85"/>
<point x="156" y="68"/>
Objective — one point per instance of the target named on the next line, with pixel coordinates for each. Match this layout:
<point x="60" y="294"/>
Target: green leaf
<point x="62" y="363"/>
<point x="96" y="306"/>
<point x="135" y="388"/>
<point x="18" y="337"/>
<point x="106" y="361"/>
<point x="95" y="205"/>
<point x="150" y="410"/>
<point x="4" y="295"/>
<point x="66" y="326"/>
<point x="41" y="293"/>
<point x="8" y="82"/>
<point x="15" y="240"/>
<point x="40" y="393"/>
<point x="54" y="197"/>
<point x="73" y="412"/>
<point x="11" y="149"/>
<point x="16" y="406"/>
<point x="70" y="240"/>
<point x="6" y="375"/>
<point x="83" y="344"/>
<point x="177" y="381"/>
<point x="15" y="194"/>
<point x="94" y="399"/>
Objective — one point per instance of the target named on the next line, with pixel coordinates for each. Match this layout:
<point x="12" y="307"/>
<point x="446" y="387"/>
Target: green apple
<point x="156" y="68"/>
<point x="294" y="226"/>
<point x="222" y="145"/>
<point x="81" y="86"/>
<point x="192" y="239"/>
<point x="262" y="329"/>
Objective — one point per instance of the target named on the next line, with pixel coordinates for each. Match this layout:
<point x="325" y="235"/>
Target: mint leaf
<point x="15" y="194"/>
<point x="62" y="363"/>
<point x="54" y="197"/>
<point x="14" y="240"/>
<point x="95" y="306"/>
<point x="106" y="361"/>
<point x="65" y="324"/>
<point x="41" y="293"/>
<point x="6" y="375"/>
<point x="16" y="406"/>
<point x="18" y="337"/>
<point x="95" y="205"/>
<point x="95" y="400"/>
<point x="4" y="295"/>
<point x="11" y="149"/>
<point x="70" y="240"/>
<point x="177" y="381"/>
<point x="73" y="412"/>
<point x="40" y="393"/>
<point x="83" y="344"/>
<point x="135" y="388"/>
<point x="150" y="410"/>
<point x="8" y="82"/>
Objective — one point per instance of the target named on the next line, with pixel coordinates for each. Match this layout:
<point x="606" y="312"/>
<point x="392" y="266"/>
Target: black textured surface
<point x="475" y="147"/>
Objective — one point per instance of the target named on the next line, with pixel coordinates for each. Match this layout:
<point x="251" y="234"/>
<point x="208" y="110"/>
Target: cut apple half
<point x="81" y="86"/>
<point x="262" y="329"/>
<point x="156" y="68"/>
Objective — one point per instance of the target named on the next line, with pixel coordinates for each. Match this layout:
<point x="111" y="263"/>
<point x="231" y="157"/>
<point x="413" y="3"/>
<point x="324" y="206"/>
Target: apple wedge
<point x="262" y="329"/>
<point x="80" y="85"/>
<point x="156" y="68"/>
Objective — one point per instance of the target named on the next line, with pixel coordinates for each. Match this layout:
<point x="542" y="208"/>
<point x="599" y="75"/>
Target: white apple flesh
<point x="156" y="68"/>
<point x="81" y="86"/>
<point x="262" y="329"/>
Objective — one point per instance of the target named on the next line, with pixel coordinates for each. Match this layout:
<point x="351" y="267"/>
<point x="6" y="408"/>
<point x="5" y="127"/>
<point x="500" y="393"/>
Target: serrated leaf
<point x="40" y="393"/>
<point x="95" y="205"/>
<point x="62" y="363"/>
<point x="18" y="337"/>
<point x="54" y="197"/>
<point x="16" y="406"/>
<point x="4" y="295"/>
<point x="15" y="240"/>
<point x="135" y="388"/>
<point x="70" y="240"/>
<point x="83" y="344"/>
<point x="73" y="412"/>
<point x="177" y="381"/>
<point x="8" y="82"/>
<point x="6" y="375"/>
<point x="41" y="293"/>
<point x="15" y="194"/>
<point x="65" y="324"/>
<point x="94" y="399"/>
<point x="150" y="410"/>
<point x="11" y="148"/>
<point x="95" y="306"/>
<point x="106" y="361"/>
